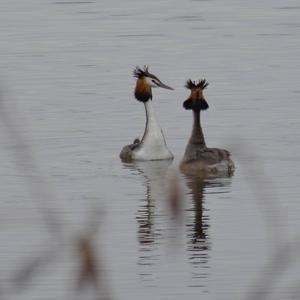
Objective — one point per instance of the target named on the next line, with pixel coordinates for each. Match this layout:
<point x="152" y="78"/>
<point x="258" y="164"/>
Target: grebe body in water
<point x="153" y="144"/>
<point x="198" y="159"/>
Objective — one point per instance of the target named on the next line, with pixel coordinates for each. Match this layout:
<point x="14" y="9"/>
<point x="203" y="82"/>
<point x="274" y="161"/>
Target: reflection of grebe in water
<point x="198" y="224"/>
<point x="155" y="226"/>
<point x="149" y="217"/>
<point x="154" y="174"/>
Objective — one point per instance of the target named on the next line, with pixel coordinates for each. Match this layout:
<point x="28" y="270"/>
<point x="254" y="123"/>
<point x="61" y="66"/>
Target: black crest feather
<point x="190" y="84"/>
<point x="202" y="84"/>
<point x="140" y="73"/>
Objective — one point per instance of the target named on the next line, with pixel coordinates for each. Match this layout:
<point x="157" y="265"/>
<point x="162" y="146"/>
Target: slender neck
<point x="197" y="136"/>
<point x="151" y="122"/>
<point x="150" y="115"/>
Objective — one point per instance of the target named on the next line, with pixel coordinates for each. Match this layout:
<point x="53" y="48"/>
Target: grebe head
<point x="196" y="101"/>
<point x="146" y="81"/>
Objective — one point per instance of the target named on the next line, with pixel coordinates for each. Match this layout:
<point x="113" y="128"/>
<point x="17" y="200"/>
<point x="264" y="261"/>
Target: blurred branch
<point x="282" y="258"/>
<point x="38" y="187"/>
<point x="284" y="253"/>
<point x="32" y="267"/>
<point x="41" y="192"/>
<point x="264" y="192"/>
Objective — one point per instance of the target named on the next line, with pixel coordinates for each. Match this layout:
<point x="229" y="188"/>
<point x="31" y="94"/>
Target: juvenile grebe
<point x="153" y="145"/>
<point x="198" y="159"/>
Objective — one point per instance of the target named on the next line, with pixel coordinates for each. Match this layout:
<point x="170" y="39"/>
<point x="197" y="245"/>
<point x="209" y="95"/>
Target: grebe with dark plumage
<point x="152" y="146"/>
<point x="198" y="159"/>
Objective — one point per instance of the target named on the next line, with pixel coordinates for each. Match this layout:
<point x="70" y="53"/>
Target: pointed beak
<point x="164" y="86"/>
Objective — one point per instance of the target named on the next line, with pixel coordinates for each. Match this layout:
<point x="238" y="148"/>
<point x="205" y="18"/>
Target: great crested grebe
<point x="198" y="158"/>
<point x="153" y="145"/>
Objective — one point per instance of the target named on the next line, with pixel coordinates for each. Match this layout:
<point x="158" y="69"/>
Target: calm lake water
<point x="66" y="80"/>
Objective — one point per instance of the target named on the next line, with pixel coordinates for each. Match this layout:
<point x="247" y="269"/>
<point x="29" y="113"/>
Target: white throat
<point x="153" y="145"/>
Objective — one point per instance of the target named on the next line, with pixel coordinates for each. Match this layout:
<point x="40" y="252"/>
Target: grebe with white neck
<point x="198" y="159"/>
<point x="153" y="144"/>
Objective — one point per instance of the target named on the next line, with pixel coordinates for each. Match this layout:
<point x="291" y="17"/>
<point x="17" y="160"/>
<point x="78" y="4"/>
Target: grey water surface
<point x="67" y="109"/>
